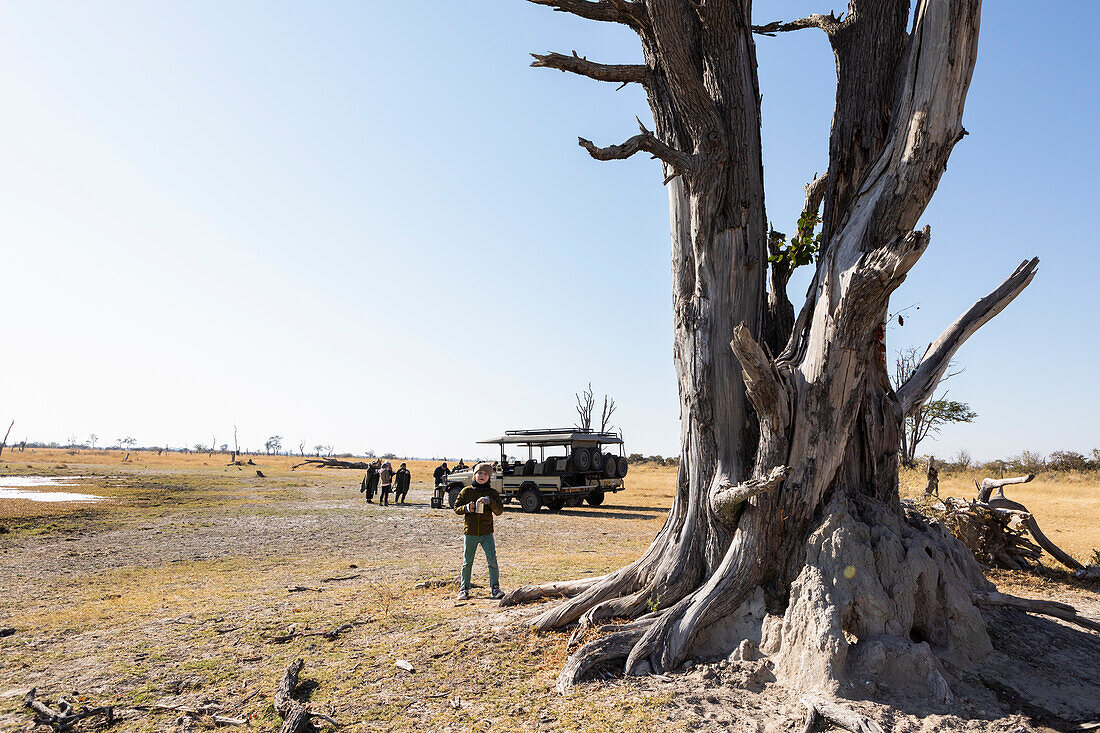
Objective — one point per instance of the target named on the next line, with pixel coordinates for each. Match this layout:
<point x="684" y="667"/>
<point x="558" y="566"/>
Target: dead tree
<point x="330" y="463"/>
<point x="4" y="442"/>
<point x="787" y="490"/>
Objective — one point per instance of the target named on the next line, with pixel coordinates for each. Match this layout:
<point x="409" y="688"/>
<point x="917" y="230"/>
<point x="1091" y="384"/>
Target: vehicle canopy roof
<point x="554" y="436"/>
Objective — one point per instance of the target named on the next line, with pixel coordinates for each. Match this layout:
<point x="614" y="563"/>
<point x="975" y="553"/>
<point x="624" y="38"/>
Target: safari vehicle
<point x="572" y="466"/>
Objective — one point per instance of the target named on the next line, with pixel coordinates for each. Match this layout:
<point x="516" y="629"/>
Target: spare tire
<point x="595" y="497"/>
<point x="596" y="459"/>
<point x="580" y="460"/>
<point x="610" y="466"/>
<point x="624" y="466"/>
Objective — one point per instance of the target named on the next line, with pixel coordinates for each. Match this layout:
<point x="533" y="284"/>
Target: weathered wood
<point x="1063" y="611"/>
<point x="840" y="715"/>
<point x="66" y="716"/>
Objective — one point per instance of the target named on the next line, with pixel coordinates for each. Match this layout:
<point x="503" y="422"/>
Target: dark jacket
<point x="372" y="478"/>
<point x="401" y="480"/>
<point x="478" y="524"/>
<point x="439" y="473"/>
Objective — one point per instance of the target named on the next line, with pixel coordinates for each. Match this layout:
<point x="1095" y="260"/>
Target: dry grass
<point x="174" y="590"/>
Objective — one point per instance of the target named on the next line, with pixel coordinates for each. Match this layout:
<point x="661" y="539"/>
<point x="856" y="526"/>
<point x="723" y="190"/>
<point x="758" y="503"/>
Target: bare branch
<point x="937" y="358"/>
<point x="610" y="11"/>
<point x="829" y="23"/>
<point x="619" y="73"/>
<point x="680" y="161"/>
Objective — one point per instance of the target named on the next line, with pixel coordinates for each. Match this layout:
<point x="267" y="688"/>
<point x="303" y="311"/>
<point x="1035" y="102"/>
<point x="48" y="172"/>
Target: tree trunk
<point x="786" y="528"/>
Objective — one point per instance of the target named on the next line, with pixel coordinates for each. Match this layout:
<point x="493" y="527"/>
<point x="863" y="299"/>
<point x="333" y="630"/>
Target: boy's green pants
<point x="489" y="545"/>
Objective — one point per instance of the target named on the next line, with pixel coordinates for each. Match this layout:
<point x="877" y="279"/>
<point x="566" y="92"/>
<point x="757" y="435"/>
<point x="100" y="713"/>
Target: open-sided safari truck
<point x="564" y="467"/>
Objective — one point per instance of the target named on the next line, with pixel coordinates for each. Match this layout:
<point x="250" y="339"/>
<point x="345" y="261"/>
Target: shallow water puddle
<point x="15" y="487"/>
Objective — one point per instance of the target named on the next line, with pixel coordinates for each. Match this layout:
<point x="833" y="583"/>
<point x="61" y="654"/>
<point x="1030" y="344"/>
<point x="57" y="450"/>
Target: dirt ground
<point x="179" y="589"/>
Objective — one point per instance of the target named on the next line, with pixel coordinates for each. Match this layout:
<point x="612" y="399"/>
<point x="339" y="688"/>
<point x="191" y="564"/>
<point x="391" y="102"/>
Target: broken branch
<point x="829" y="23"/>
<point x="610" y="11"/>
<point x="619" y="73"/>
<point x="728" y="496"/>
<point x="677" y="159"/>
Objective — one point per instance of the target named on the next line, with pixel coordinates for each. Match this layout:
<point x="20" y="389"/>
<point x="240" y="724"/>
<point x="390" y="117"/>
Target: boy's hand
<point x="471" y="508"/>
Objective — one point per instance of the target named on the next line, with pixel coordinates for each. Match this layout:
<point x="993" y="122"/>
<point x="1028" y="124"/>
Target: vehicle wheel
<point x="610" y="466"/>
<point x="596" y="459"/>
<point x="452" y="495"/>
<point x="595" y="498"/>
<point x="556" y="504"/>
<point x="623" y="466"/>
<point x="530" y="501"/>
<point x="581" y="460"/>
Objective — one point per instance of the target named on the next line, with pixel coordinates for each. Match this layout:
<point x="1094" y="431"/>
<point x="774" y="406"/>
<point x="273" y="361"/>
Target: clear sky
<point x="368" y="224"/>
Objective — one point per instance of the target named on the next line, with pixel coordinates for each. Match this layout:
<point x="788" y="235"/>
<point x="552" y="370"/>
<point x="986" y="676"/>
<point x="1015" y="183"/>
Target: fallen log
<point x="331" y="463"/>
<point x="1056" y="609"/>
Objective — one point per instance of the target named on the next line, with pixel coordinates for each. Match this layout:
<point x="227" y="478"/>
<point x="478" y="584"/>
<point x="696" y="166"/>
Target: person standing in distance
<point x="477" y="504"/>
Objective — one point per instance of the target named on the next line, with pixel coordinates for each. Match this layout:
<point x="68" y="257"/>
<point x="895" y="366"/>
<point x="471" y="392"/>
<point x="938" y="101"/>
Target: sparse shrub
<point x="635" y="458"/>
<point x="1067" y="460"/>
<point x="653" y="602"/>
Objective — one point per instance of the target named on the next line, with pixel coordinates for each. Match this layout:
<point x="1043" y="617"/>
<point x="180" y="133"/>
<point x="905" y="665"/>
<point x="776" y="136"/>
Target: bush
<point x="1067" y="460"/>
<point x="1026" y="462"/>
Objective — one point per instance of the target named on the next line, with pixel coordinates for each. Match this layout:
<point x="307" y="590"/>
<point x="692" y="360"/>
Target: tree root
<point x="604" y="655"/>
<point x="561" y="589"/>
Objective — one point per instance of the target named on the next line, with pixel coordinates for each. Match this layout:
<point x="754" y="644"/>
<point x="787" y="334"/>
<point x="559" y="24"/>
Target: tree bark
<point x="786" y="527"/>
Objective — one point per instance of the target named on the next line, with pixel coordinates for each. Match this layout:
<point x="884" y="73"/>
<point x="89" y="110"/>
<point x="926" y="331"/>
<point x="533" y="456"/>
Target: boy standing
<point x="478" y="503"/>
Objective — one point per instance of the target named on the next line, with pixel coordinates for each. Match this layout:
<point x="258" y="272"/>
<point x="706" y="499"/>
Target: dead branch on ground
<point x="331" y="463"/>
<point x="331" y="634"/>
<point x="296" y="716"/>
<point x="66" y="716"/>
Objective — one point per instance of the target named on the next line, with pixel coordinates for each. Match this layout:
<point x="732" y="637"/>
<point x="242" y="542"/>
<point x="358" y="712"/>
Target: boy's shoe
<point x="464" y="594"/>
<point x="497" y="593"/>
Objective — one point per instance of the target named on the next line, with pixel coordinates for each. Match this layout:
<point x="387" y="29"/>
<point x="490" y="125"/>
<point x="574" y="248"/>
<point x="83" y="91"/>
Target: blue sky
<point x="369" y="224"/>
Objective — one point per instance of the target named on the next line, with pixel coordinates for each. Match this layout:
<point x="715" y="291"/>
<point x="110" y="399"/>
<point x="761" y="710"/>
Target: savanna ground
<point x="175" y="590"/>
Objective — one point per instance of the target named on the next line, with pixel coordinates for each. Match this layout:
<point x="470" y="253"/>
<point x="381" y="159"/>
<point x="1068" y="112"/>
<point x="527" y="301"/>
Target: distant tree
<point x="318" y="448"/>
<point x="389" y="456"/>
<point x="224" y="447"/>
<point x="92" y="440"/>
<point x="586" y="405"/>
<point x="302" y="448"/>
<point x="929" y="417"/>
<point x="274" y="444"/>
<point x="199" y="448"/>
<point x="127" y="442"/>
